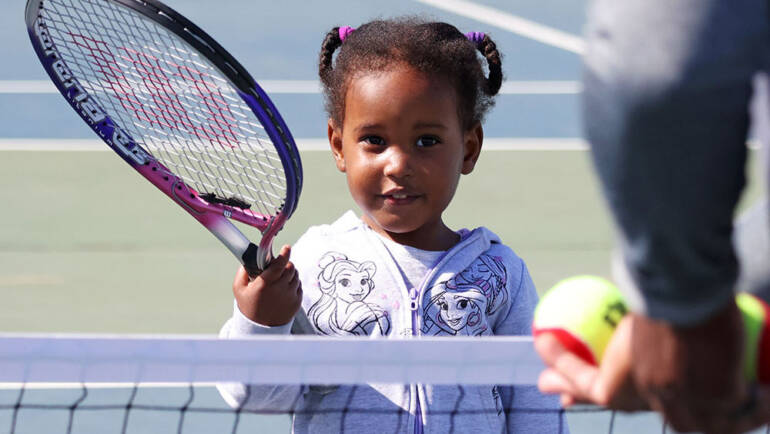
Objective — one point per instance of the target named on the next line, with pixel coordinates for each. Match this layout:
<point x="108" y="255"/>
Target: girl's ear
<point x="474" y="137"/>
<point x="335" y="142"/>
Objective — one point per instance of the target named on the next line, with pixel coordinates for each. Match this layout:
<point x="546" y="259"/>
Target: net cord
<point x="266" y="360"/>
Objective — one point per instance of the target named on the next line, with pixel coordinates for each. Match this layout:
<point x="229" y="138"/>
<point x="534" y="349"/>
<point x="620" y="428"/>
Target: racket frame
<point x="214" y="216"/>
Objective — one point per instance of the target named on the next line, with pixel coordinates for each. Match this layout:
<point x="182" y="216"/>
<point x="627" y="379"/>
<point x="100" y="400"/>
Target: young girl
<point x="405" y="100"/>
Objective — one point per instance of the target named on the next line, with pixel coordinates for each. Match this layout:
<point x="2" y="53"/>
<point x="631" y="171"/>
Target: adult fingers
<point x="754" y="413"/>
<point x="552" y="382"/>
<point x="609" y="385"/>
<point x="614" y="385"/>
<point x="568" y="374"/>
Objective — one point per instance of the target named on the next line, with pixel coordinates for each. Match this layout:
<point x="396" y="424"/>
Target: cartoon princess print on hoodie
<point x="461" y="305"/>
<point x="455" y="310"/>
<point x="488" y="274"/>
<point x="341" y="310"/>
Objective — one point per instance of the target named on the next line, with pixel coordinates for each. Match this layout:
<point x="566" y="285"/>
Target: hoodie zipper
<point x="414" y="305"/>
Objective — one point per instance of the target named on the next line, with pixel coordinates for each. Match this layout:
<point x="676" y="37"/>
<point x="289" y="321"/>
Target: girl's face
<point x="352" y="285"/>
<point x="403" y="149"/>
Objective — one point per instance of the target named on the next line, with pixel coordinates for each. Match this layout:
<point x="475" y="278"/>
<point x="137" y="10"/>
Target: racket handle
<point x="255" y="261"/>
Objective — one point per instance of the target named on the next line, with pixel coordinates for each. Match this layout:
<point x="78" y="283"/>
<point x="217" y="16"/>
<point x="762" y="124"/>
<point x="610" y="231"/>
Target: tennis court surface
<point x="87" y="247"/>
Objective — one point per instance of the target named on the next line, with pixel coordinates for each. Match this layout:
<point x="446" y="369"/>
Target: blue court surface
<point x="275" y="44"/>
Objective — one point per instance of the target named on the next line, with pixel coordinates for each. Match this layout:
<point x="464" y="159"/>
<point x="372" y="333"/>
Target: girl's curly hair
<point x="434" y="48"/>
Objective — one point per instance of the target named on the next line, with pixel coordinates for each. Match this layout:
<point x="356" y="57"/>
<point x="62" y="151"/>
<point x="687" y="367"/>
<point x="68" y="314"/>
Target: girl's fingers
<point x="241" y="278"/>
<point x="289" y="272"/>
<point x="295" y="283"/>
<point x="274" y="270"/>
<point x="285" y="252"/>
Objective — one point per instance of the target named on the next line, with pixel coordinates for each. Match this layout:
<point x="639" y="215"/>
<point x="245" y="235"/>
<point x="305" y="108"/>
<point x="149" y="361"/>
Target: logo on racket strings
<point x="102" y="124"/>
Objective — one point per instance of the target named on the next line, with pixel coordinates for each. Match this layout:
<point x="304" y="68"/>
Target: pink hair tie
<point x="476" y="37"/>
<point x="344" y="32"/>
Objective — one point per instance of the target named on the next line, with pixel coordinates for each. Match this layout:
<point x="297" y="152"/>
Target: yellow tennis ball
<point x="756" y="337"/>
<point x="582" y="313"/>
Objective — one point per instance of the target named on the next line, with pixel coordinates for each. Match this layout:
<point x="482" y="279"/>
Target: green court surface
<point x="86" y="245"/>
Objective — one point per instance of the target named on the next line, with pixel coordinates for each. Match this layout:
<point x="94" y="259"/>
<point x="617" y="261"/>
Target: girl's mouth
<point x="399" y="197"/>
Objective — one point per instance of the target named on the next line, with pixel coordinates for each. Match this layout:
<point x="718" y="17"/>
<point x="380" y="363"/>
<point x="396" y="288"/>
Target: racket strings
<point x="170" y="100"/>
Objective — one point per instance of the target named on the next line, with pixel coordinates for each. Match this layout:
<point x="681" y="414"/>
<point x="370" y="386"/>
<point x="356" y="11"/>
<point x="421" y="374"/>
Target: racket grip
<point x="250" y="261"/>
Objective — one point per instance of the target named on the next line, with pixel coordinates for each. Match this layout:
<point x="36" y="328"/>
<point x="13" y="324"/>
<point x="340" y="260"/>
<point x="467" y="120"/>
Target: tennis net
<point x="167" y="384"/>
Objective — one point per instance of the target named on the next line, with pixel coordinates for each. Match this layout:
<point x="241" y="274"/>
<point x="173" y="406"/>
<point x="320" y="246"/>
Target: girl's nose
<point x="397" y="162"/>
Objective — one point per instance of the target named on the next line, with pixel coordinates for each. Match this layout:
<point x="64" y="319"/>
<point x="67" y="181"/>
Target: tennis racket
<point x="180" y="110"/>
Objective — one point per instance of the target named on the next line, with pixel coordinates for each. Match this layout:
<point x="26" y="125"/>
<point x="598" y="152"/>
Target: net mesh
<point x="167" y="384"/>
<point x="169" y="99"/>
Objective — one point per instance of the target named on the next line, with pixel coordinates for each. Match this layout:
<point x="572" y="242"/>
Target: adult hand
<point x="608" y="385"/>
<point x="691" y="375"/>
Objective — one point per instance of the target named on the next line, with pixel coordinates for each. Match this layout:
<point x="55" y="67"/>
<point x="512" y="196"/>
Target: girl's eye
<point x="427" y="141"/>
<point x="363" y="282"/>
<point x="462" y="304"/>
<point x="373" y="140"/>
<point x="344" y="282"/>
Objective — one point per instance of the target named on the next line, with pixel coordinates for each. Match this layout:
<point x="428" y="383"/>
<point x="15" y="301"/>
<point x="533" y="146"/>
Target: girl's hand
<point x="273" y="297"/>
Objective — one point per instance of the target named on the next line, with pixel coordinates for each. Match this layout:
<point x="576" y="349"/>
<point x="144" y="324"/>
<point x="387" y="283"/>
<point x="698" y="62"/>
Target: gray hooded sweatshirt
<point x="354" y="285"/>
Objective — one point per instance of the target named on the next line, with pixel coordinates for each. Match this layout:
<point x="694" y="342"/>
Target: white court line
<point x="511" y="23"/>
<point x="554" y="87"/>
<point x="304" y="144"/>
<point x="543" y="87"/>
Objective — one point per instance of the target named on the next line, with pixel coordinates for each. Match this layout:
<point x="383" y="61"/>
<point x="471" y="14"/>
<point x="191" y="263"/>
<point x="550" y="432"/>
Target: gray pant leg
<point x="752" y="242"/>
<point x="667" y="86"/>
<point x="752" y="228"/>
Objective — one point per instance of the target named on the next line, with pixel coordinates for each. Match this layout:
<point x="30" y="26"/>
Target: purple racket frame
<point x="214" y="216"/>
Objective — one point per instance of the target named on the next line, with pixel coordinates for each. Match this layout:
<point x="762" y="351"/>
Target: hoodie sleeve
<point x="522" y="298"/>
<point x="280" y="398"/>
